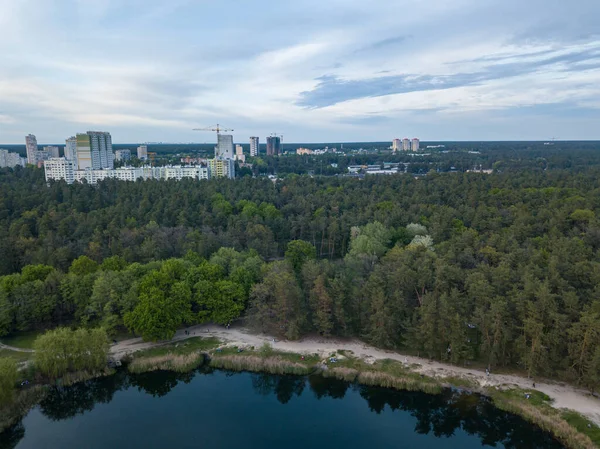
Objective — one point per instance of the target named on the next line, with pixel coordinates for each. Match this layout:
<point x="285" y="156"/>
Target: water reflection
<point x="440" y="415"/>
<point x="11" y="436"/>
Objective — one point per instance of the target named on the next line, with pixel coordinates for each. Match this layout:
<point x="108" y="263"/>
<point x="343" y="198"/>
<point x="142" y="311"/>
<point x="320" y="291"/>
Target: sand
<point x="563" y="395"/>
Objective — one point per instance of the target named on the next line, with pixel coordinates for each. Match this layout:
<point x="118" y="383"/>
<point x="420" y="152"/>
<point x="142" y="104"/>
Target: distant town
<point x="90" y="157"/>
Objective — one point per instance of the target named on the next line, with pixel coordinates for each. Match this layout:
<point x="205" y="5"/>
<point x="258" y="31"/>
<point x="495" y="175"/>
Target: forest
<point x="499" y="269"/>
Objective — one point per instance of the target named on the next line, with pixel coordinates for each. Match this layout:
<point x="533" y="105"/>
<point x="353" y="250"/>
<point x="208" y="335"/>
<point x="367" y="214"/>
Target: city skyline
<point x="320" y="72"/>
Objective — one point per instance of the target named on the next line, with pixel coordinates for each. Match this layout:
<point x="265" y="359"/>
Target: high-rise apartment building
<point x="273" y="146"/>
<point x="122" y="155"/>
<point x="32" y="149"/>
<point x="71" y="149"/>
<point x="142" y="152"/>
<point x="94" y="151"/>
<point x="396" y="145"/>
<point x="415" y="144"/>
<point x="224" y="148"/>
<point x="254" y="146"/>
<point x="221" y="168"/>
<point x="405" y="144"/>
<point x="59" y="169"/>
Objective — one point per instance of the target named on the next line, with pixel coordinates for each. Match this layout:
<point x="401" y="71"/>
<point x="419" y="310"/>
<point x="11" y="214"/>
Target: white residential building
<point x="142" y="152"/>
<point x="224" y="148"/>
<point x="396" y="145"/>
<point x="59" y="169"/>
<point x="415" y="144"/>
<point x="254" y="146"/>
<point x="32" y="149"/>
<point x="8" y="159"/>
<point x="178" y="172"/>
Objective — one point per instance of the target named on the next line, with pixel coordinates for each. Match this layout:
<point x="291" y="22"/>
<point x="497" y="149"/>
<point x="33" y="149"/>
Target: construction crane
<point x="216" y="128"/>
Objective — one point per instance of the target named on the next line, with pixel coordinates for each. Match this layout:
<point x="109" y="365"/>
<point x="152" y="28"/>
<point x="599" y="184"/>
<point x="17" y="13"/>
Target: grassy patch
<point x="22" y="340"/>
<point x="457" y="381"/>
<point x="583" y="425"/>
<point x="194" y="344"/>
<point x="16" y="355"/>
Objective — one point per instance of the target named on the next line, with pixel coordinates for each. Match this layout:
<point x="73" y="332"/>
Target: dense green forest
<point x="502" y="269"/>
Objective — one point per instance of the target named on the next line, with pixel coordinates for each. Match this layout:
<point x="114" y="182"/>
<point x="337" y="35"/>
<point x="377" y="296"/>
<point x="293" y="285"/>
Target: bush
<point x="62" y="350"/>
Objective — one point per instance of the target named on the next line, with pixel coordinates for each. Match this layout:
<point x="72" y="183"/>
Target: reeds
<point x="347" y="374"/>
<point x="272" y="365"/>
<point x="549" y="421"/>
<point x="180" y="363"/>
<point x="398" y="383"/>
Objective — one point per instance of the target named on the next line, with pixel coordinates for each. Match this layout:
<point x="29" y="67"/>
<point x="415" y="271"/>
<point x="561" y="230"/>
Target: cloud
<point x="331" y="90"/>
<point x="312" y="70"/>
<point x="384" y="43"/>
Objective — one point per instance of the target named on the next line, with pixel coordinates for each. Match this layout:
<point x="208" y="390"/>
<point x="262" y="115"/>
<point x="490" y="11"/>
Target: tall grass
<point x="546" y="418"/>
<point x="399" y="383"/>
<point x="342" y="373"/>
<point x="180" y="363"/>
<point x="272" y="365"/>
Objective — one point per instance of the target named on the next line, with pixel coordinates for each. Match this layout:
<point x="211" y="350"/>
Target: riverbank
<point x="562" y="396"/>
<point x="572" y="429"/>
<point x="532" y="406"/>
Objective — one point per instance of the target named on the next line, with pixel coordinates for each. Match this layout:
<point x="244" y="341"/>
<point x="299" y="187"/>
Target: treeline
<point x="502" y="269"/>
<point x="152" y="299"/>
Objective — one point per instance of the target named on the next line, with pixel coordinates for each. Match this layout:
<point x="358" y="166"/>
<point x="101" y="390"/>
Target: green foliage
<point x="83" y="265"/>
<point x="513" y="281"/>
<point x="298" y="252"/>
<point x="62" y="350"/>
<point x="8" y="379"/>
<point x="371" y="240"/>
<point x="163" y="307"/>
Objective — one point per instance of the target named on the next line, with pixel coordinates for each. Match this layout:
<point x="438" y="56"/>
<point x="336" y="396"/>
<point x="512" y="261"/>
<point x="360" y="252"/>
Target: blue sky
<point x="314" y="71"/>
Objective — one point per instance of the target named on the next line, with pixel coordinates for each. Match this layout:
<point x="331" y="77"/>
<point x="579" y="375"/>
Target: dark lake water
<point x="218" y="409"/>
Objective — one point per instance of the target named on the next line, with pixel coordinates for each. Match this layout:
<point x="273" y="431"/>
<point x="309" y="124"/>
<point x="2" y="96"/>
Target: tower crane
<point x="216" y="128"/>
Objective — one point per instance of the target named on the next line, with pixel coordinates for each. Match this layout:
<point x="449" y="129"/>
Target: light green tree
<point x="63" y="350"/>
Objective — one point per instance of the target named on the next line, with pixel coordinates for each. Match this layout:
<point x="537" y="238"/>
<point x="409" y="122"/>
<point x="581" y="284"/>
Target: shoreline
<point x="386" y="373"/>
<point x="563" y="396"/>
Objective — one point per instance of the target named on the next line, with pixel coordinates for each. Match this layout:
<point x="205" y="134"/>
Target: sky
<point x="312" y="70"/>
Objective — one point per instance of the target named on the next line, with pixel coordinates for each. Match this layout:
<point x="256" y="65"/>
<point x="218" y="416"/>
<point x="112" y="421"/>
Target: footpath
<point x="563" y="395"/>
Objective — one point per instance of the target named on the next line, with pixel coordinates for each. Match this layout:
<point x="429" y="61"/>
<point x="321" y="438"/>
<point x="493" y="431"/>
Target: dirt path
<point x="12" y="348"/>
<point x="564" y="396"/>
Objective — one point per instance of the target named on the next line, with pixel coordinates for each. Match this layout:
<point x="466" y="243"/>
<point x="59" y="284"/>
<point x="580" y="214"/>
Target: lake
<point x="217" y="409"/>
